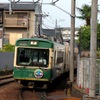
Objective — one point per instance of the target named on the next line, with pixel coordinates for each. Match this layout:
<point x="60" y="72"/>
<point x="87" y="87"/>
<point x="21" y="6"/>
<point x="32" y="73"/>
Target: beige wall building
<point x="19" y="23"/>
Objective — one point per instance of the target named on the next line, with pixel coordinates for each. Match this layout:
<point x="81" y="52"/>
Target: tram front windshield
<point x="32" y="57"/>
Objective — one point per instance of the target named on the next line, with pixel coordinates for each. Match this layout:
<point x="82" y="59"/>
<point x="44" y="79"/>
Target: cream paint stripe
<point x="34" y="79"/>
<point x="50" y="55"/>
<point x="15" y="56"/>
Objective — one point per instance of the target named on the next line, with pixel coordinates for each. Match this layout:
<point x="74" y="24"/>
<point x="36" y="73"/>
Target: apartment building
<point x="66" y="33"/>
<point x="18" y="22"/>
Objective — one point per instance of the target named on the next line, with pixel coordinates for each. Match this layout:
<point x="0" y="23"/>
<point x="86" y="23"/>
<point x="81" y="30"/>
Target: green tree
<point x="85" y="13"/>
<point x="98" y="37"/>
<point x="84" y="38"/>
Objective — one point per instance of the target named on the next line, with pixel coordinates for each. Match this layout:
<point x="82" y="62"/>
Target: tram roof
<point x="38" y="39"/>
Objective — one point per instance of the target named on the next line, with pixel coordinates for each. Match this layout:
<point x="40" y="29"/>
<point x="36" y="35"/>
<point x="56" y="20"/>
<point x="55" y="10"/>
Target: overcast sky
<point x="63" y="19"/>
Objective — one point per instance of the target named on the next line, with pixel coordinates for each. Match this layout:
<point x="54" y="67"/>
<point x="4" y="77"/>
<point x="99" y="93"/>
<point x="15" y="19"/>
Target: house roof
<point x="30" y="6"/>
<point x="49" y="32"/>
<point x="53" y="33"/>
<point x="67" y="28"/>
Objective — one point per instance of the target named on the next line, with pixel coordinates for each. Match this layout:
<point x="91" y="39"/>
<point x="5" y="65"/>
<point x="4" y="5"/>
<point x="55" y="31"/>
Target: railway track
<point x="56" y="88"/>
<point x="30" y="94"/>
<point x="6" y="79"/>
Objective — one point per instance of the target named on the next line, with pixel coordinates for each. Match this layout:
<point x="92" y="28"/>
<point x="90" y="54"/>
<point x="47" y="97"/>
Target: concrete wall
<point x="6" y="60"/>
<point x="83" y="74"/>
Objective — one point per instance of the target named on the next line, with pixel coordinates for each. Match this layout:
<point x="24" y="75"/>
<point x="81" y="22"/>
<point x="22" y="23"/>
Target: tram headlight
<point x="33" y="43"/>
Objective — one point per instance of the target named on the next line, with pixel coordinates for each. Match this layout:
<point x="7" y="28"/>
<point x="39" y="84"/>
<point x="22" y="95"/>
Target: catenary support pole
<point x="72" y="40"/>
<point x="93" y="48"/>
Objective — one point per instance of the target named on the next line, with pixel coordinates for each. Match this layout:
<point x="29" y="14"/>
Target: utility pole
<point x="72" y="15"/>
<point x="72" y="40"/>
<point x="93" y="47"/>
<point x="56" y="24"/>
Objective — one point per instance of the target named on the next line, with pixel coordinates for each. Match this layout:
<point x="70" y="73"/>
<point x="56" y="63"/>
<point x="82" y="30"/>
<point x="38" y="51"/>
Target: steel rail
<point x="6" y="79"/>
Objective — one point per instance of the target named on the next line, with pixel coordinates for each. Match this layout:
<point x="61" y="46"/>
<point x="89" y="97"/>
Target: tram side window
<point x="60" y="56"/>
<point x="55" y="58"/>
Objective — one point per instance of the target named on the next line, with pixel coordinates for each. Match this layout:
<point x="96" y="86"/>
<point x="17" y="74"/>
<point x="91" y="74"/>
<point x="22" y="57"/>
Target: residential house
<point x="66" y="33"/>
<point x="19" y="21"/>
<point x="1" y="26"/>
<point x="62" y="33"/>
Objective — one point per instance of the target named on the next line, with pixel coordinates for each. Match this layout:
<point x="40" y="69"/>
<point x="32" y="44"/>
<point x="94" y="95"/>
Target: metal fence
<point x="6" y="60"/>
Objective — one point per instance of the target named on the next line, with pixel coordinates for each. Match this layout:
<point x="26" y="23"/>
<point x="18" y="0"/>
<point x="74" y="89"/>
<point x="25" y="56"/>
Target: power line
<point x="47" y="25"/>
<point x="51" y="18"/>
<point x="50" y="21"/>
<point x="55" y="1"/>
<point x="53" y="4"/>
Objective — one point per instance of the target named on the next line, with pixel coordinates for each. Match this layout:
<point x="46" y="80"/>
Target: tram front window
<point x="32" y="57"/>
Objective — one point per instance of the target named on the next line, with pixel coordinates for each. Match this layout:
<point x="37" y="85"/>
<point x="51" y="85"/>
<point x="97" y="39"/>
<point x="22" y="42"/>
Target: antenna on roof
<point x="16" y="1"/>
<point x="54" y="1"/>
<point x="10" y="7"/>
<point x="36" y="1"/>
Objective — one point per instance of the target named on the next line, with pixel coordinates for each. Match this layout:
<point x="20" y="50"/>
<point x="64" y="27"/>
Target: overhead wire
<point x="47" y="26"/>
<point x="51" y="18"/>
<point x="50" y="21"/>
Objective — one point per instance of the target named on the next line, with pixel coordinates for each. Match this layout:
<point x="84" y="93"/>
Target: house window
<point x="23" y="18"/>
<point x="1" y="21"/>
<point x="0" y="34"/>
<point x="6" y="38"/>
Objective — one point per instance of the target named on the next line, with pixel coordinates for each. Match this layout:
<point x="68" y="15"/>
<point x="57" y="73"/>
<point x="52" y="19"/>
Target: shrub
<point x="8" y="48"/>
<point x="98" y="54"/>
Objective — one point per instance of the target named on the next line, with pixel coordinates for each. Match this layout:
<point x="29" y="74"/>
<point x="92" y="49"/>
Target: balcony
<point x="18" y="23"/>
